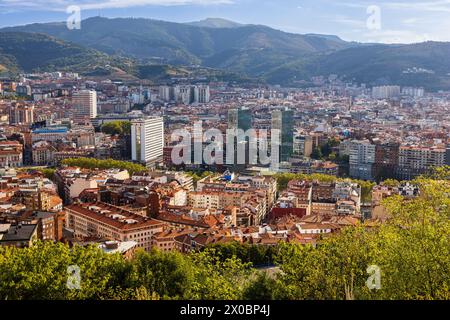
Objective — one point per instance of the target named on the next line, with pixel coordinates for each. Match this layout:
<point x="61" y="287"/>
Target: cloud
<point x="398" y="36"/>
<point x="433" y="6"/>
<point x="61" y="5"/>
<point x="354" y="23"/>
<point x="411" y="21"/>
<point x="354" y="5"/>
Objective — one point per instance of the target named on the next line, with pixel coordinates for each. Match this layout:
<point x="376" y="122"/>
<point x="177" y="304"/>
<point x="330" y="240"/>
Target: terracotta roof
<point x="83" y="209"/>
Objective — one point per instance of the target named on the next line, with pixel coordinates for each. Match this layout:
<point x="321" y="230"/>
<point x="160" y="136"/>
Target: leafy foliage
<point x="256" y="255"/>
<point x="412" y="251"/>
<point x="49" y="173"/>
<point x="117" y="128"/>
<point x="197" y="176"/>
<point x="317" y="154"/>
<point x="91" y="163"/>
<point x="50" y="54"/>
<point x="41" y="272"/>
<point x="440" y="173"/>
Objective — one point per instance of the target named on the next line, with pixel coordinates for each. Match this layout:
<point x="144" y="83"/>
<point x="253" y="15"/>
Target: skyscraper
<point x="147" y="140"/>
<point x="164" y="93"/>
<point x="283" y="120"/>
<point x="201" y="94"/>
<point x="240" y="119"/>
<point x="184" y="94"/>
<point x="85" y="105"/>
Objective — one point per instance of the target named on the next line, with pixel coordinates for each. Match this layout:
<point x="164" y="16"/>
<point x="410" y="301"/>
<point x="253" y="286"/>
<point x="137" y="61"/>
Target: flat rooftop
<point x="18" y="232"/>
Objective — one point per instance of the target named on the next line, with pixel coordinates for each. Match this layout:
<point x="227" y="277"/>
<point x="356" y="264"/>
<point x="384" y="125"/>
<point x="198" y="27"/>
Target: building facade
<point x="84" y="105"/>
<point x="283" y="120"/>
<point x="147" y="137"/>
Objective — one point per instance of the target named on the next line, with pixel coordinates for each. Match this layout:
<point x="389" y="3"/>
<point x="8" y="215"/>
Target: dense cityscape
<point x="336" y="129"/>
<point x="205" y="185"/>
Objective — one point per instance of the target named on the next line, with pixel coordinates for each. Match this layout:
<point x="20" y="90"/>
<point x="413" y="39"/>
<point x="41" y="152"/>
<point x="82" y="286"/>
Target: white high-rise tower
<point x="147" y="139"/>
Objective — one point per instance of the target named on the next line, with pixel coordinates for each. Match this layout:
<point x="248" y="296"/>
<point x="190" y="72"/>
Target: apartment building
<point x="362" y="159"/>
<point x="102" y="220"/>
<point x="11" y="154"/>
<point x="19" y="235"/>
<point x="303" y="145"/>
<point x="21" y="114"/>
<point x="414" y="161"/>
<point x="385" y="92"/>
<point x="84" y="105"/>
<point x="255" y="201"/>
<point x="386" y="160"/>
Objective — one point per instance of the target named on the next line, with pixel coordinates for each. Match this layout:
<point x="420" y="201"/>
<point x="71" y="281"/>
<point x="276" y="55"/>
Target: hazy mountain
<point x="239" y="48"/>
<point x="325" y="36"/>
<point x="424" y="64"/>
<point x="215" y="23"/>
<point x="28" y="52"/>
<point x="252" y="50"/>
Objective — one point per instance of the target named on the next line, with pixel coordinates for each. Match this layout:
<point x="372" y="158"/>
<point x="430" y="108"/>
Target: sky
<point x="395" y="21"/>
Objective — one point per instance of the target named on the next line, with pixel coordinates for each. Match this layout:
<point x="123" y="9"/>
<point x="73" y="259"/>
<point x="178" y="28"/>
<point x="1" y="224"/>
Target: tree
<point x="440" y="173"/>
<point x="48" y="173"/>
<point x="366" y="189"/>
<point x="334" y="270"/>
<point x="167" y="274"/>
<point x="263" y="287"/>
<point x="391" y="183"/>
<point x="41" y="272"/>
<point x="217" y="279"/>
<point x="117" y="128"/>
<point x="317" y="154"/>
<point x="91" y="163"/>
<point x="332" y="156"/>
<point x="411" y="250"/>
<point x="284" y="178"/>
<point x="255" y="254"/>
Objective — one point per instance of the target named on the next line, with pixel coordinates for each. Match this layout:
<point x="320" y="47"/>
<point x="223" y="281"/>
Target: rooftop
<point x="113" y="216"/>
<point x="16" y="232"/>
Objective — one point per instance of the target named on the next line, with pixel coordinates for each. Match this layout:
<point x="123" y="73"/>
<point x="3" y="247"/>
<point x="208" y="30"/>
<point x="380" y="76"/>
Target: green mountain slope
<point x="8" y="65"/>
<point x="30" y="52"/>
<point x="252" y="50"/>
<point x="215" y="23"/>
<point x="177" y="43"/>
<point x="424" y="64"/>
